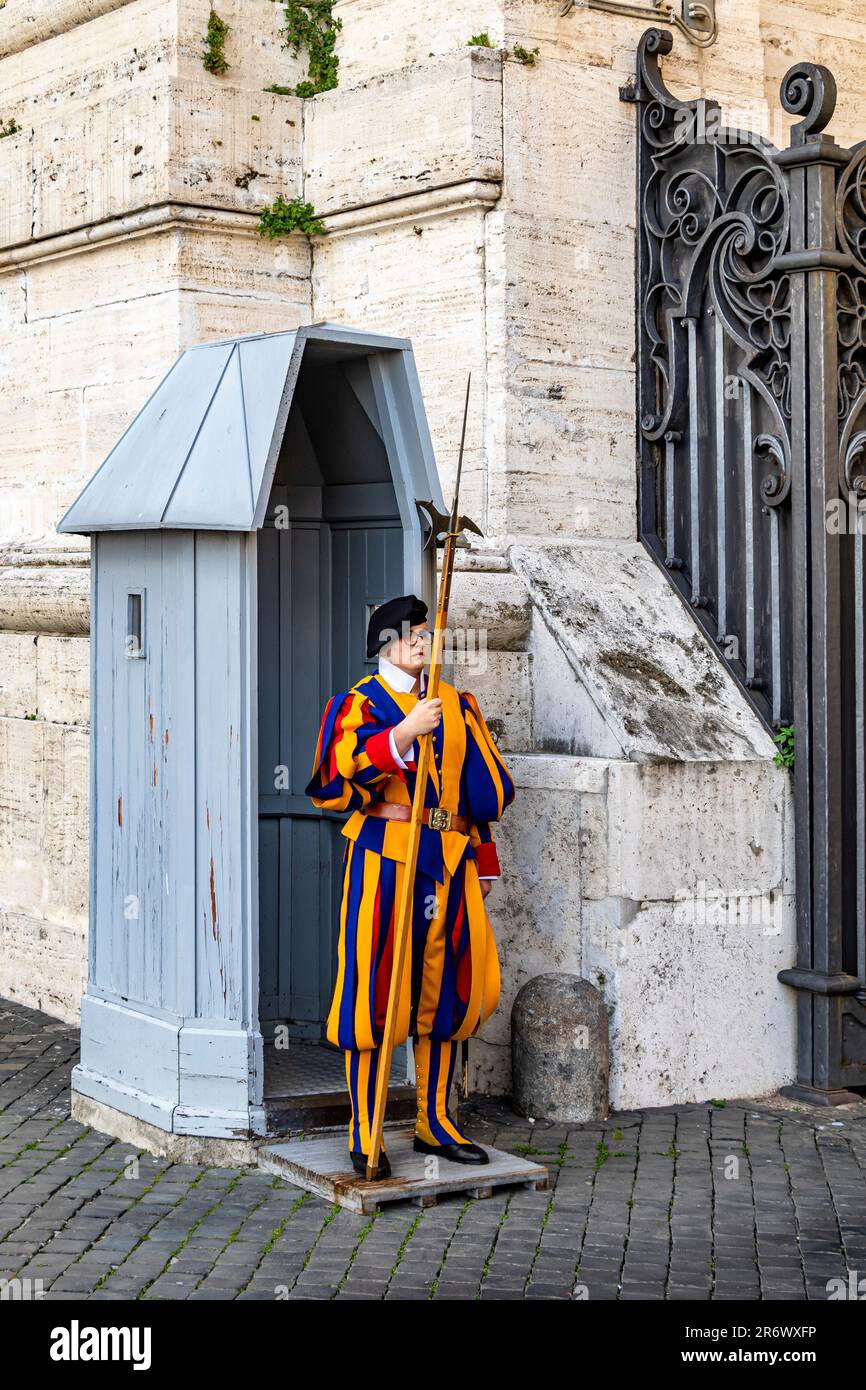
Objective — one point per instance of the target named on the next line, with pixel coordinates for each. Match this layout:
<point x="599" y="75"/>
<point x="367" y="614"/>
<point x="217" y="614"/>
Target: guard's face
<point x="411" y="651"/>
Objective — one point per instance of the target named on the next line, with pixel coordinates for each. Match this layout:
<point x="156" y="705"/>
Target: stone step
<point x="501" y="683"/>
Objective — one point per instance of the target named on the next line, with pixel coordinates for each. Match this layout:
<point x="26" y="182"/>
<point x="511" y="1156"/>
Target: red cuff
<point x="378" y="751"/>
<point x="487" y="859"/>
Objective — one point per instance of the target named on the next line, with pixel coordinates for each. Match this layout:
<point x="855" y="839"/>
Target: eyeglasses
<point x="418" y="639"/>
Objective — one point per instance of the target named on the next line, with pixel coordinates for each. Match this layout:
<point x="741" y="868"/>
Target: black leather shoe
<point x="455" y="1153"/>
<point x="359" y="1163"/>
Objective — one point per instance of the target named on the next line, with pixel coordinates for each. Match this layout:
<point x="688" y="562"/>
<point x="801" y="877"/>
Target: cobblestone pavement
<point x="741" y="1200"/>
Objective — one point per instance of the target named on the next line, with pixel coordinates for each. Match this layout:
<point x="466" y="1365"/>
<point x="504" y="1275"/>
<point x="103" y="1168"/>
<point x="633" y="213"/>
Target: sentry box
<point x="254" y="512"/>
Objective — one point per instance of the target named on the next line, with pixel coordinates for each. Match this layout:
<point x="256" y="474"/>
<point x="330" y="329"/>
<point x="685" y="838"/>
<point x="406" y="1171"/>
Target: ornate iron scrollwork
<point x="851" y="316"/>
<point x="715" y="364"/>
<point x="808" y="90"/>
<point x="775" y="487"/>
<point x="752" y="438"/>
<point x="853" y="455"/>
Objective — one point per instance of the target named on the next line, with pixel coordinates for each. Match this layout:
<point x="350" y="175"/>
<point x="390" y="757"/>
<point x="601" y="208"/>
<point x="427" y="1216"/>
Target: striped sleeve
<point x="349" y="762"/>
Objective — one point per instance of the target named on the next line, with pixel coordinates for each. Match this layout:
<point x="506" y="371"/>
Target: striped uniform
<point x="451" y="974"/>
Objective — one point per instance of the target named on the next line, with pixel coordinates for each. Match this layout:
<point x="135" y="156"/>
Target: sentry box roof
<point x="201" y="453"/>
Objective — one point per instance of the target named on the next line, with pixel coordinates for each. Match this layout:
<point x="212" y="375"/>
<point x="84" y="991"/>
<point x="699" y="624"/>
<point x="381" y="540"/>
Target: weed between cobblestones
<point x="548" y="1212"/>
<point x="618" y="1134"/>
<point x="278" y="1230"/>
<point x="142" y="1293"/>
<point x="602" y="1155"/>
<point x="435" y="1283"/>
<point x="671" y="1152"/>
<point x="276" y="1233"/>
<point x="37" y="1144"/>
<point x="526" y="1149"/>
<point x="56" y="1158"/>
<point x="362" y="1236"/>
<point x="819" y="1148"/>
<point x="485" y="1268"/>
<point x="103" y="1278"/>
<point x="752" y="1184"/>
<point x="334" y="1211"/>
<point x="403" y="1246"/>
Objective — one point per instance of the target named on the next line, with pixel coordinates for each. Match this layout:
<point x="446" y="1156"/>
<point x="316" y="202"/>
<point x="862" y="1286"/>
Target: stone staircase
<point x="649" y="847"/>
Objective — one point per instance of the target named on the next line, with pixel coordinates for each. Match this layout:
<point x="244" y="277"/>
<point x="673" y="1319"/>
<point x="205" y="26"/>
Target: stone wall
<point x="649" y="847"/>
<point x="485" y="208"/>
<point x="131" y="186"/>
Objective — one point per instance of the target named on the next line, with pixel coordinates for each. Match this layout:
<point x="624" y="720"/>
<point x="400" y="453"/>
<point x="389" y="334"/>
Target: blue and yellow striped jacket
<point x="353" y="766"/>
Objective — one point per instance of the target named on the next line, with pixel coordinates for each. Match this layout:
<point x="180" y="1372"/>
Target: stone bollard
<point x="560" y="1050"/>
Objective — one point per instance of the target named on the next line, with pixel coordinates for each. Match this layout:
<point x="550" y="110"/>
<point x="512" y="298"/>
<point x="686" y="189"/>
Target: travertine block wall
<point x="379" y="36"/>
<point x="444" y="126"/>
<point x="87" y="336"/>
<point x="600" y="881"/>
<point x="131" y="188"/>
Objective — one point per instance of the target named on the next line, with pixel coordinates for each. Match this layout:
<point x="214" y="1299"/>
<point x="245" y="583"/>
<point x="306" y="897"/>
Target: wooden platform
<point x="322" y="1165"/>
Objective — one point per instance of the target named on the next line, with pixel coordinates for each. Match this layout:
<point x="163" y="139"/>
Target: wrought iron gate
<point x="751" y="305"/>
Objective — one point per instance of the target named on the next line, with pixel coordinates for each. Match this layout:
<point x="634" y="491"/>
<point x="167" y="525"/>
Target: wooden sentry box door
<point x="317" y="578"/>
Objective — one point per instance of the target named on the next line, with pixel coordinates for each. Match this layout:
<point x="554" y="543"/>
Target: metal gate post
<point x="813" y="162"/>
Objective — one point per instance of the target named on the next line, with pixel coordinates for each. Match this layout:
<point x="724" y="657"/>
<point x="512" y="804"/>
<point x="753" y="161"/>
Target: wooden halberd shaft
<point x="403" y="919"/>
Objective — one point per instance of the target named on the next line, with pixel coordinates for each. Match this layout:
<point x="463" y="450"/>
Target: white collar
<point x="397" y="678"/>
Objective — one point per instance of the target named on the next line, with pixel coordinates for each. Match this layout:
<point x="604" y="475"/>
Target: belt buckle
<point x="439" y="818"/>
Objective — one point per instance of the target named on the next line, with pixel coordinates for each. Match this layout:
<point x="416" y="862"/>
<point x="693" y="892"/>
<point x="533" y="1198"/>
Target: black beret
<point x="388" y="619"/>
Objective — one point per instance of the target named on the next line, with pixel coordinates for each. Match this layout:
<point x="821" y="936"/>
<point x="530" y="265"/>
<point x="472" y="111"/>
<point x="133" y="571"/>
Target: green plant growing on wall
<point x="10" y="127"/>
<point x="784" y="740"/>
<point x="214" y="57"/>
<point x="282" y="218"/>
<point x="527" y="56"/>
<point x="279" y="91"/>
<point x="310" y="24"/>
<point x="480" y="41"/>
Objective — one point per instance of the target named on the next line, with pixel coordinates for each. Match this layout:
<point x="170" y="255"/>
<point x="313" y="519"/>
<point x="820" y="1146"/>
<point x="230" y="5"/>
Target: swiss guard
<point x="365" y="763"/>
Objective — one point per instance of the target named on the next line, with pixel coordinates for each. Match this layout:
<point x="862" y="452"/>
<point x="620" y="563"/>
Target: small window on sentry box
<point x="135" y="625"/>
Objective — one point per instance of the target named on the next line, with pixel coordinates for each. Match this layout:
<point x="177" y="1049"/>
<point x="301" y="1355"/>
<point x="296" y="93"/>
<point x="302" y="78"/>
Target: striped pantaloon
<point x="434" y="1069"/>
